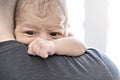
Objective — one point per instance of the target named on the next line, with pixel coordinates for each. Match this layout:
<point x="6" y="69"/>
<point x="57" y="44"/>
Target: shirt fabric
<point x="16" y="64"/>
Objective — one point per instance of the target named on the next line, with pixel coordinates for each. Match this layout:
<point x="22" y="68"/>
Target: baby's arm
<point x="64" y="46"/>
<point x="69" y="46"/>
<point x="7" y="8"/>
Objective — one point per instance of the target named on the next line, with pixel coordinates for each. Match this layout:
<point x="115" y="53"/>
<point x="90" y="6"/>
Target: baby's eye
<point x="54" y="34"/>
<point x="30" y="32"/>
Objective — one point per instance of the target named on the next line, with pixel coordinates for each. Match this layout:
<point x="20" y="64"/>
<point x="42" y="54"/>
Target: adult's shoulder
<point x="17" y="64"/>
<point x="101" y="59"/>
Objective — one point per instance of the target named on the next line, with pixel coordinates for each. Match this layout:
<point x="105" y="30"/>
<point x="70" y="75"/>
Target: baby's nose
<point x="45" y="36"/>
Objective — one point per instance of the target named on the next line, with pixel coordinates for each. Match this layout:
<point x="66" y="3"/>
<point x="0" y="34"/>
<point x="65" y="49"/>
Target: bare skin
<point x="46" y="36"/>
<point x="6" y="33"/>
<point x="6" y="19"/>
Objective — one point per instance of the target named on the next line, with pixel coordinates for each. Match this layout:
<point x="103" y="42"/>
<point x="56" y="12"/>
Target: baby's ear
<point x="70" y="34"/>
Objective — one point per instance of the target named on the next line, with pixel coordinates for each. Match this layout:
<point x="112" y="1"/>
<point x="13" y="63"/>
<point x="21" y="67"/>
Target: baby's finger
<point x="30" y="50"/>
<point x="42" y="53"/>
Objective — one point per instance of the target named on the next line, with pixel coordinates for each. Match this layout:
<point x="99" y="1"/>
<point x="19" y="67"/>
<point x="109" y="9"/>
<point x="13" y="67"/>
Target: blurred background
<point x="97" y="24"/>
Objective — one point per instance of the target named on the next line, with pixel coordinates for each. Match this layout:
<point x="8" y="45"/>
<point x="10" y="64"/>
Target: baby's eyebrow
<point x="57" y="26"/>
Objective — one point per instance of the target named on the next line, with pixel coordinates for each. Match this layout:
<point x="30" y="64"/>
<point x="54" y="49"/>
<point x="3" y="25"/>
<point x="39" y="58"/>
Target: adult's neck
<point x="7" y="8"/>
<point x="6" y="34"/>
<point x="6" y="29"/>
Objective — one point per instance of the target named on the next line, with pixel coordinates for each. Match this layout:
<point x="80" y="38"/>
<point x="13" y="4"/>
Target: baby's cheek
<point x="24" y="40"/>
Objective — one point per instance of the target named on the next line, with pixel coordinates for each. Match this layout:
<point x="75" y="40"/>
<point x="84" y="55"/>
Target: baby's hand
<point x="41" y="47"/>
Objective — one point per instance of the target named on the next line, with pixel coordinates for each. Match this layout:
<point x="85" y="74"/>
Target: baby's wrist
<point x="52" y="48"/>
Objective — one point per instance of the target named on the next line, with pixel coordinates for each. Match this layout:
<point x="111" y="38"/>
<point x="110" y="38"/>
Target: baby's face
<point x="32" y="26"/>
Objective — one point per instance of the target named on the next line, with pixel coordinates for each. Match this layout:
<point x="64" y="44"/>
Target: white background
<point x="97" y="23"/>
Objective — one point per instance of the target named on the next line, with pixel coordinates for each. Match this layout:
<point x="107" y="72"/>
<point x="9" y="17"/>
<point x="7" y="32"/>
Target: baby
<point x="43" y="26"/>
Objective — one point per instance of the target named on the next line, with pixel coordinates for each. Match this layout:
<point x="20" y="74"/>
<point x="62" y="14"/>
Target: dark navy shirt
<point x="16" y="64"/>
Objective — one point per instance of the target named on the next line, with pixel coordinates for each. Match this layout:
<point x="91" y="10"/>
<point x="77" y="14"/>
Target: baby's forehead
<point x="53" y="14"/>
<point x="32" y="23"/>
<point x="56" y="19"/>
<point x="42" y="8"/>
<point x="40" y="28"/>
<point x="55" y="9"/>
